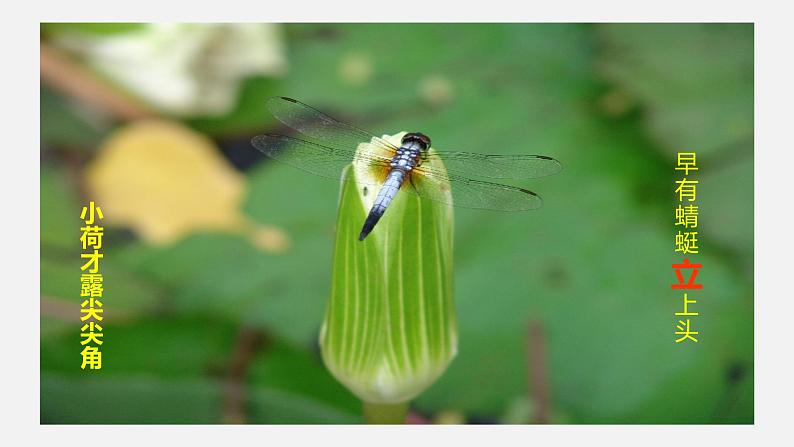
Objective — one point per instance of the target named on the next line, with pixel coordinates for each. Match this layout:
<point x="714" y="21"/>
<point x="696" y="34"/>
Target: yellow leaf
<point x="166" y="181"/>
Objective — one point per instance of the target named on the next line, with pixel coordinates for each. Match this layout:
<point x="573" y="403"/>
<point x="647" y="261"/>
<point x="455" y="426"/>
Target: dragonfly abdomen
<point x="385" y="196"/>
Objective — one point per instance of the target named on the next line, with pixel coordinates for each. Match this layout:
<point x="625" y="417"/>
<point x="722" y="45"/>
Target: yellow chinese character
<point x="685" y="332"/>
<point x="91" y="210"/>
<point x="92" y="358"/>
<point x="686" y="162"/>
<point x="93" y="310"/>
<point x="686" y="242"/>
<point x="92" y="236"/>
<point x="93" y="258"/>
<point x="687" y="189"/>
<point x="686" y="311"/>
<point x="91" y="285"/>
<point x="687" y="216"/>
<point x="91" y="335"/>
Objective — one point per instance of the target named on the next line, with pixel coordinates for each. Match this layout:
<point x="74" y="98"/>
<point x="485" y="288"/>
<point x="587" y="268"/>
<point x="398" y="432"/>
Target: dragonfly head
<point x="417" y="138"/>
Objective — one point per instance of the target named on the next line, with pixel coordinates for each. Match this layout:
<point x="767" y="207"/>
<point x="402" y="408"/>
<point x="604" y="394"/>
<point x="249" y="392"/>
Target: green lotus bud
<point x="389" y="329"/>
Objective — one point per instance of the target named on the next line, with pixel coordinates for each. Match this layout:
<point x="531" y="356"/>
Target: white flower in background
<point x="183" y="69"/>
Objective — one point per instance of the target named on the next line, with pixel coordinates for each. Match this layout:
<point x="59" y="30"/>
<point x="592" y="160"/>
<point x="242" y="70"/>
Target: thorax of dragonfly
<point x="412" y="150"/>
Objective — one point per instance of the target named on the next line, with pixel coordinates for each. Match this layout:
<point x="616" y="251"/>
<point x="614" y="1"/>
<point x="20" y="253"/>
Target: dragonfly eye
<point x="417" y="137"/>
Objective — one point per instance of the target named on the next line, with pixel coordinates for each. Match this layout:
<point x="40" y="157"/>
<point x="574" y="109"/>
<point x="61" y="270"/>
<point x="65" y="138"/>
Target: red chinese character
<point x="691" y="283"/>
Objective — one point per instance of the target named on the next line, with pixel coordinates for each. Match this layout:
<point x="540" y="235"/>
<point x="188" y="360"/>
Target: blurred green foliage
<point x="91" y="28"/>
<point x="592" y="267"/>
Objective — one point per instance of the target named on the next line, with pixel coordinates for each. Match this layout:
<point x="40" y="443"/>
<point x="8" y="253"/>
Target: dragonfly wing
<point x="323" y="128"/>
<point x="470" y="193"/>
<point x="470" y="164"/>
<point x="323" y="161"/>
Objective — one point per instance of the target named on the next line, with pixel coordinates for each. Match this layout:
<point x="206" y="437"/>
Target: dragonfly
<point x="407" y="167"/>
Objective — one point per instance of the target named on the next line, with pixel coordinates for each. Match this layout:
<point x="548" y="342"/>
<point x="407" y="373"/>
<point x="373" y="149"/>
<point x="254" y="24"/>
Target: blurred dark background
<point x="217" y="262"/>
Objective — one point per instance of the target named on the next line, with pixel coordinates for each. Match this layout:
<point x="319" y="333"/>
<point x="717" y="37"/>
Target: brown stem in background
<point x="249" y="341"/>
<point x="538" y="371"/>
<point x="62" y="73"/>
<point x="62" y="309"/>
<point x="59" y="309"/>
